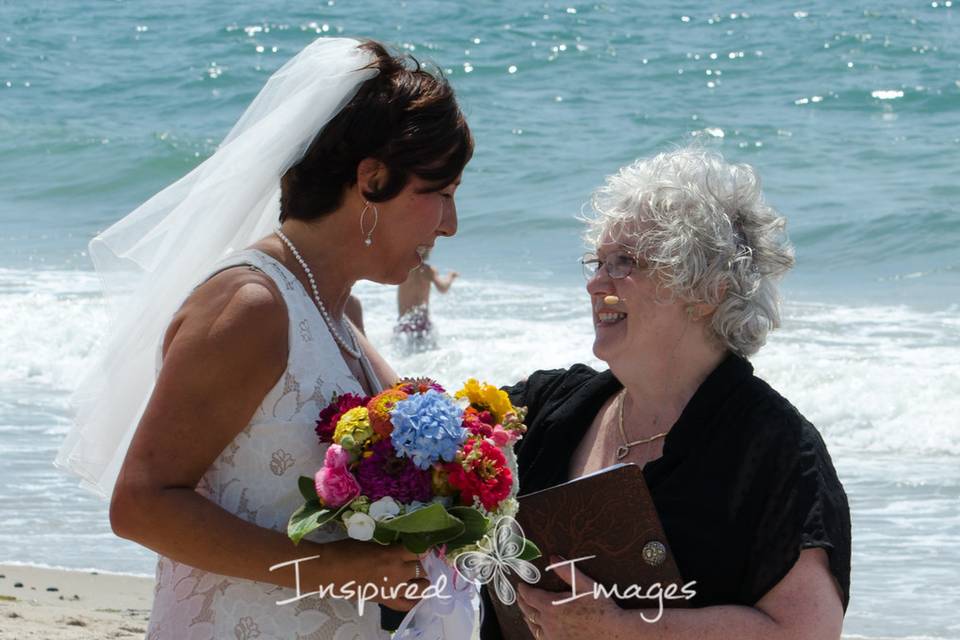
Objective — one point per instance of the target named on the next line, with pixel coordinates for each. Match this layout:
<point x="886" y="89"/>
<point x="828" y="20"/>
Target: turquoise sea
<point x="850" y="111"/>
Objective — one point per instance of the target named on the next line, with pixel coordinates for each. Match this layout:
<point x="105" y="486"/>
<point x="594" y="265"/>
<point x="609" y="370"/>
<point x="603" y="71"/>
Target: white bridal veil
<point x="150" y="260"/>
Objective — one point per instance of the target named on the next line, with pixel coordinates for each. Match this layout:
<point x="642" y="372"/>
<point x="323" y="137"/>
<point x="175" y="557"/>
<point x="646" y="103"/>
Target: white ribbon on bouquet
<point x="449" y="614"/>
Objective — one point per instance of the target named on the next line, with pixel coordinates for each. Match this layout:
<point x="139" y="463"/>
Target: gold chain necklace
<point x="624" y="449"/>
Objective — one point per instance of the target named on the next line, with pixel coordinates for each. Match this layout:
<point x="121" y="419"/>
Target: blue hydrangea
<point x="427" y="427"/>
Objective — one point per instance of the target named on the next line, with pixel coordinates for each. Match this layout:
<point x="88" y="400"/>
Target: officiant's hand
<point x="577" y="616"/>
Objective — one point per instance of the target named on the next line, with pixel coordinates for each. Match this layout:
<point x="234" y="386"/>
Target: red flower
<point x="327" y="422"/>
<point x="481" y="471"/>
<point x="418" y="385"/>
<point x="480" y="423"/>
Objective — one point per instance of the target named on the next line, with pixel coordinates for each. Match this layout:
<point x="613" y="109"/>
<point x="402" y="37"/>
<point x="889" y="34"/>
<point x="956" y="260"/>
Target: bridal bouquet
<point x="416" y="466"/>
<point x="436" y="473"/>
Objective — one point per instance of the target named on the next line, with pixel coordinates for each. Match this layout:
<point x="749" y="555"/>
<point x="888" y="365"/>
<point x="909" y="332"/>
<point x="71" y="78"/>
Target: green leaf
<point x="530" y="551"/>
<point x="309" y="518"/>
<point x="420" y="542"/>
<point x="427" y="519"/>
<point x="475" y="523"/>
<point x="307" y="488"/>
<point x="424" y="528"/>
<point x="384" y="536"/>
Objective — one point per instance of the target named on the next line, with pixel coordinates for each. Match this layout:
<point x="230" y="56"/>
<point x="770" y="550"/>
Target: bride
<point x="201" y="415"/>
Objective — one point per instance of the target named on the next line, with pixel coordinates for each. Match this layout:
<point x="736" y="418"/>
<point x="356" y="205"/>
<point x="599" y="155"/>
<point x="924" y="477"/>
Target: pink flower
<point x="336" y="456"/>
<point x="500" y="436"/>
<point x="335" y="485"/>
<point x="479" y="423"/>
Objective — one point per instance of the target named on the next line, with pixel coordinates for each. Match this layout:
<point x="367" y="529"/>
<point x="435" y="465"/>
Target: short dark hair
<point x="405" y="116"/>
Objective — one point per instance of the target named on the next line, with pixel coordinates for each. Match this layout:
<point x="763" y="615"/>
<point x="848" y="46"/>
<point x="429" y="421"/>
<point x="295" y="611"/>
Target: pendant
<point x="654" y="553"/>
<point x="622" y="451"/>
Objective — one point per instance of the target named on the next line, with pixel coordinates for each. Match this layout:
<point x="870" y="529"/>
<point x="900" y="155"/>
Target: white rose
<point x="384" y="509"/>
<point x="360" y="526"/>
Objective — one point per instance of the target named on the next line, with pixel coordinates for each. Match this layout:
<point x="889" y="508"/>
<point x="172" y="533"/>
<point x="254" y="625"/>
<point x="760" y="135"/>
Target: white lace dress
<point x="255" y="478"/>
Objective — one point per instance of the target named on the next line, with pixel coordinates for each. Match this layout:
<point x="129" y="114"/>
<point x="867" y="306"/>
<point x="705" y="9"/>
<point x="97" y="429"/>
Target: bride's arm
<point x="225" y="350"/>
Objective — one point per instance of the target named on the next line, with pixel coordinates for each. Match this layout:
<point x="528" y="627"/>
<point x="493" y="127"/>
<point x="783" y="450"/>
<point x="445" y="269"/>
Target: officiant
<point x="682" y="282"/>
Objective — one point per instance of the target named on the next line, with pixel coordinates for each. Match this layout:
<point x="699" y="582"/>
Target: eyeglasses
<point x="618" y="265"/>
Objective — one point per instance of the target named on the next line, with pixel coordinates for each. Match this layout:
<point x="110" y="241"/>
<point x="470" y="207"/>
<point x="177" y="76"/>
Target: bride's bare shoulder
<point x="239" y="305"/>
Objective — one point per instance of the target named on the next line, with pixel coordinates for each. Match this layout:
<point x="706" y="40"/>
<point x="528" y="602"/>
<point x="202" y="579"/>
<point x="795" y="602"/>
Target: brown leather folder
<point x="608" y="514"/>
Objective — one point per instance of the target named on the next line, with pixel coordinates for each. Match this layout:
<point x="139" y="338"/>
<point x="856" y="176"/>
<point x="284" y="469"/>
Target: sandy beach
<point x="66" y="605"/>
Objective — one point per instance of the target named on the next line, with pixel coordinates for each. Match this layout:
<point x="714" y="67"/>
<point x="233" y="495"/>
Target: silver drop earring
<point x="368" y="240"/>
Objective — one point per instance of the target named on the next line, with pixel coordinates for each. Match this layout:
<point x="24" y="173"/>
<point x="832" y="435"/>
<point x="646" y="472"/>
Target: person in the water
<point x="414" y="328"/>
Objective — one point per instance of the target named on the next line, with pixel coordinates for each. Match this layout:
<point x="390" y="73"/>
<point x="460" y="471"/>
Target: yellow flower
<point x="438" y="480"/>
<point x="353" y="429"/>
<point x="487" y="397"/>
<point x="380" y="407"/>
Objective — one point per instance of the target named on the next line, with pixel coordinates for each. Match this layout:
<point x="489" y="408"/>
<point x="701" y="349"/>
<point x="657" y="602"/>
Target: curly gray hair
<point x="705" y="230"/>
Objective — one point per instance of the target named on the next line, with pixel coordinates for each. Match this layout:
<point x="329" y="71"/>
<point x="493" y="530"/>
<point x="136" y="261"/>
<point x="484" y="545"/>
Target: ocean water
<point x="851" y="113"/>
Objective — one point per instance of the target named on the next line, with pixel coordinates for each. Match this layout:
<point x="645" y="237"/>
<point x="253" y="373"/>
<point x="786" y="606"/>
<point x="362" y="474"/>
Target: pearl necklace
<point x="353" y="351"/>
<point x="624" y="449"/>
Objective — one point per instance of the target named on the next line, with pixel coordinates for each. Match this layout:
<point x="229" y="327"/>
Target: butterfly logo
<point x="498" y="555"/>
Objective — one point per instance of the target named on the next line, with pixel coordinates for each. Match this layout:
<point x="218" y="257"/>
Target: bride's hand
<point x="386" y="567"/>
